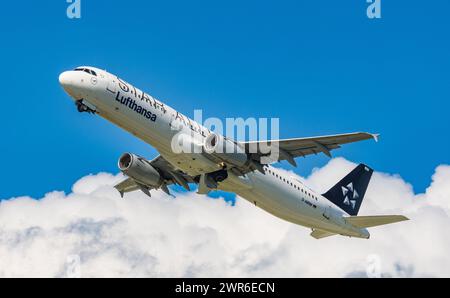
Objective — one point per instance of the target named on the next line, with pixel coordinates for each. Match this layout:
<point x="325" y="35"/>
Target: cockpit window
<point x="89" y="71"/>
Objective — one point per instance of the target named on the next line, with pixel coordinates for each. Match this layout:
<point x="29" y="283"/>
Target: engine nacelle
<point x="226" y="150"/>
<point x="140" y="170"/>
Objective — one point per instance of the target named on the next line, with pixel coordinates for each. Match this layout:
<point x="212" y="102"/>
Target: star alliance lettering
<point x="131" y="104"/>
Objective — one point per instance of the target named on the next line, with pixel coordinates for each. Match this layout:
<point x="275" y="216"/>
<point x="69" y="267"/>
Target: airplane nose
<point x="66" y="79"/>
<point x="70" y="82"/>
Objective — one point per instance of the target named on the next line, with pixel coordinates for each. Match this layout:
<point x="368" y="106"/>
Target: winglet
<point x="376" y="137"/>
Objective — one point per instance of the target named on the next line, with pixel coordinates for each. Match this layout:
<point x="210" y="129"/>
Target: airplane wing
<point x="127" y="185"/>
<point x="168" y="173"/>
<point x="292" y="148"/>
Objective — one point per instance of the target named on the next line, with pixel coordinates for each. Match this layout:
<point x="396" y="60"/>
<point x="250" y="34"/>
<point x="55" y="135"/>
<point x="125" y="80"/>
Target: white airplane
<point x="210" y="167"/>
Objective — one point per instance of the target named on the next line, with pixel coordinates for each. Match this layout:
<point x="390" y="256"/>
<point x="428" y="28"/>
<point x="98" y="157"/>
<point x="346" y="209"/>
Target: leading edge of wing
<point x="291" y="148"/>
<point x="363" y="136"/>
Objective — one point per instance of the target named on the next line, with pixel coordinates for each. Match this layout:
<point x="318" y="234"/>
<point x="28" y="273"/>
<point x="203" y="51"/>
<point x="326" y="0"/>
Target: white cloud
<point x="196" y="236"/>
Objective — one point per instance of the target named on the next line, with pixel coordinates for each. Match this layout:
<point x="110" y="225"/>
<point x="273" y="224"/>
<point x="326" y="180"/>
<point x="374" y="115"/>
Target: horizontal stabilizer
<point x="319" y="234"/>
<point x="373" y="221"/>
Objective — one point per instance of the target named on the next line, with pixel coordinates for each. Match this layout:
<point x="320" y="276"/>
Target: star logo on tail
<point x="350" y="195"/>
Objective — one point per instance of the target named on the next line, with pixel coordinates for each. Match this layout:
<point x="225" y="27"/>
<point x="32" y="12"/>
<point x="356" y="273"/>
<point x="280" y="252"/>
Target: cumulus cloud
<point x="196" y="236"/>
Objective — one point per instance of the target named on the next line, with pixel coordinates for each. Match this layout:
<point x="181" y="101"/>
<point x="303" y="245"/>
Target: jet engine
<point x="227" y="150"/>
<point x="140" y="170"/>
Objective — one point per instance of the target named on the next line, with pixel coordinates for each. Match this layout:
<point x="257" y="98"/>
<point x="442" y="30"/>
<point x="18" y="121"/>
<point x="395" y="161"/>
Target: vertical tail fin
<point x="348" y="193"/>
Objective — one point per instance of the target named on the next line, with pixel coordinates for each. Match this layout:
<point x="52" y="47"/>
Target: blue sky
<point x="322" y="67"/>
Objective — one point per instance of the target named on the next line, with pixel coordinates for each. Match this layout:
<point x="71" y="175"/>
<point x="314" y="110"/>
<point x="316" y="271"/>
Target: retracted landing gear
<point x="84" y="107"/>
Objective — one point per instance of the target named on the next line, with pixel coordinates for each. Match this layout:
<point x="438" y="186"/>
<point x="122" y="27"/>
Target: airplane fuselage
<point x="158" y="124"/>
